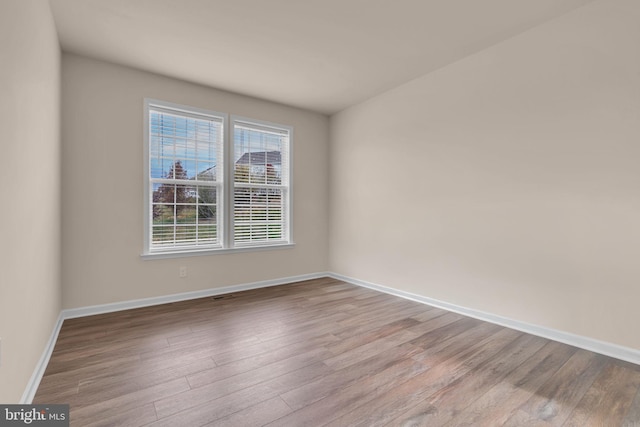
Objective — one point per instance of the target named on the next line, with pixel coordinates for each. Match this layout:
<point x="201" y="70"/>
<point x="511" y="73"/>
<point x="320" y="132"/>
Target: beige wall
<point x="30" y="173"/>
<point x="102" y="181"/>
<point x="507" y="182"/>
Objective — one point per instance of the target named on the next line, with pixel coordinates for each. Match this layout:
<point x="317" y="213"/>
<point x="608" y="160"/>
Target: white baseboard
<point x="608" y="349"/>
<point x="147" y="302"/>
<point x="601" y="347"/>
<point x="36" y="377"/>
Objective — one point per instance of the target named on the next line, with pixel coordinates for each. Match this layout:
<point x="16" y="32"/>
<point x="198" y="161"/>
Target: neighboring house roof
<point x="260" y="158"/>
<point x="255" y="158"/>
<point x="210" y="173"/>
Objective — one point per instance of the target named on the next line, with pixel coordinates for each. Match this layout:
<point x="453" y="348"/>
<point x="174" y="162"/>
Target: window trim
<point x="226" y="198"/>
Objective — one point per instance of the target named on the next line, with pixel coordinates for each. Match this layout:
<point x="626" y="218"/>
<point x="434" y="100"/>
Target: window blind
<point x="261" y="183"/>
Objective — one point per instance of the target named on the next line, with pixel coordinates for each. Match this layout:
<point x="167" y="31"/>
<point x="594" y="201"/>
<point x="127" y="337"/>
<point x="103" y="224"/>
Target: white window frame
<point x="226" y="196"/>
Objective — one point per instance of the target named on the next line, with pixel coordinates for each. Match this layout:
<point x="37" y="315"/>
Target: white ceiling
<point x="322" y="55"/>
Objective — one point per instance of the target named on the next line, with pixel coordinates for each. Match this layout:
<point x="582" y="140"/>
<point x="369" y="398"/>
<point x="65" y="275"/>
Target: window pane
<point x="186" y="214"/>
<point x="161" y="168"/>
<point x="161" y="146"/>
<point x="207" y="233"/>
<point x="164" y="193"/>
<point x="185" y="234"/>
<point x="260" y="157"/>
<point x="163" y="214"/>
<point x="205" y="150"/>
<point x="207" y="214"/>
<point x="189" y="168"/>
<point x="207" y="171"/>
<point x="207" y="195"/>
<point x="183" y="147"/>
<point x="186" y="194"/>
<point x="258" y="214"/>
<point x="274" y="231"/>
<point x="162" y="235"/>
<point x="274" y="213"/>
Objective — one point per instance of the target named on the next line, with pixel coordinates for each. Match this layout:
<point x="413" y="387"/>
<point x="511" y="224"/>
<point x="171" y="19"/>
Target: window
<point x="214" y="187"/>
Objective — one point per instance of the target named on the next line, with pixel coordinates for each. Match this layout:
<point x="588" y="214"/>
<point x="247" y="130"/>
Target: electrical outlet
<point x="183" y="272"/>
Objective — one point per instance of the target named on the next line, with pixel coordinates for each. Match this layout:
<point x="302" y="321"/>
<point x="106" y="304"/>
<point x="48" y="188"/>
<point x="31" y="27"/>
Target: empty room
<point x="310" y="213"/>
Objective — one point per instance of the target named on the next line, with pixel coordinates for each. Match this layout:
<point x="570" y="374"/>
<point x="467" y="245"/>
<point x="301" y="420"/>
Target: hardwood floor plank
<point x="609" y="399"/>
<point x="213" y="410"/>
<point x="113" y="386"/>
<point x="329" y="384"/>
<point x="523" y="419"/>
<point x="558" y="397"/>
<point x="71" y="379"/>
<point x="632" y="419"/>
<point x="324" y="352"/>
<point x="378" y="316"/>
<point x="256" y="415"/>
<point x="103" y="408"/>
<point x="429" y="313"/>
<point x="441" y="329"/>
<point x="202" y="407"/>
<point x="213" y="390"/>
<point x="347" y="398"/>
<point x="452" y="365"/>
<point x="431" y="324"/>
<point x="100" y="353"/>
<point x="252" y="367"/>
<point x="366" y="351"/>
<point x="494" y="407"/>
<point x="290" y="335"/>
<point x="444" y="405"/>
<point x="202" y="349"/>
<point x="132" y="418"/>
<point x="340" y="346"/>
<point x="444" y="349"/>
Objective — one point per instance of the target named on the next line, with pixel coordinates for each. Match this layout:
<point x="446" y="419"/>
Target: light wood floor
<point x="324" y="352"/>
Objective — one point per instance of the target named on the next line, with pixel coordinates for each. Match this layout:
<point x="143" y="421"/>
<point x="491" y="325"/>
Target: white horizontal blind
<point x="185" y="179"/>
<point x="261" y="183"/>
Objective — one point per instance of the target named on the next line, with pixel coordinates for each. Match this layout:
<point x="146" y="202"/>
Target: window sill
<point x="203" y="252"/>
